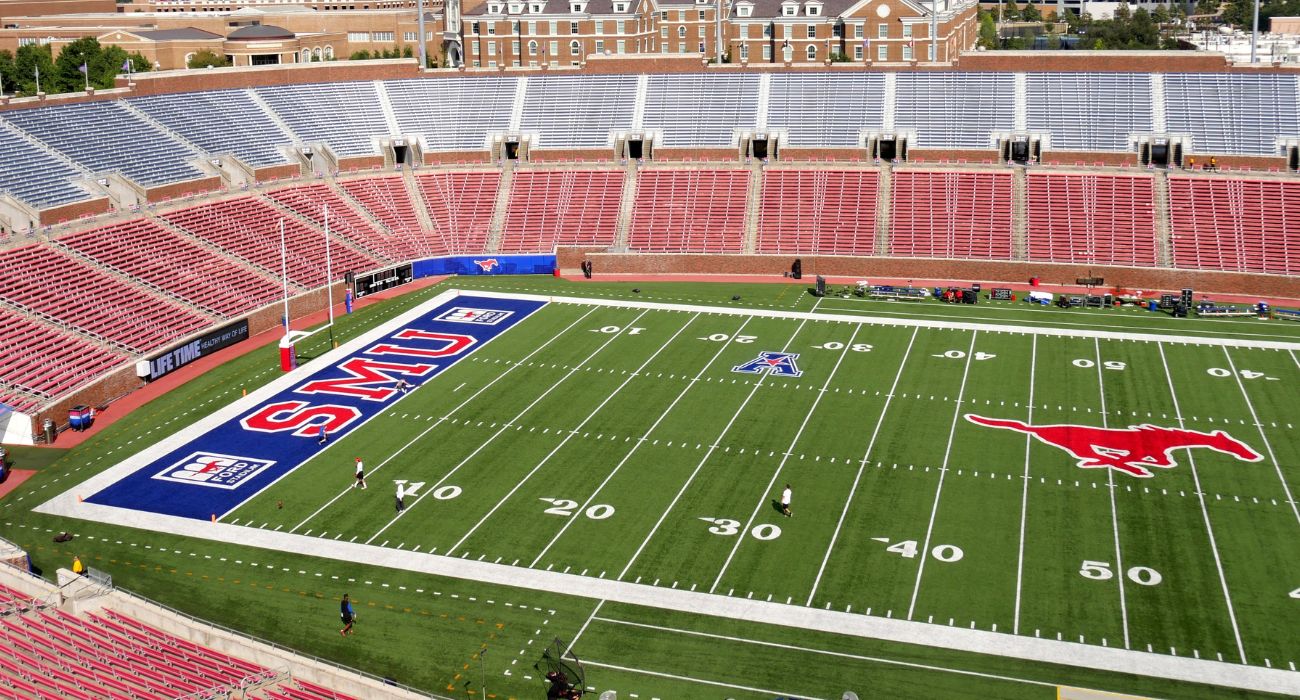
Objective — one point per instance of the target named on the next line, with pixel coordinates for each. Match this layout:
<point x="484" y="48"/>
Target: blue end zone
<point x="218" y="470"/>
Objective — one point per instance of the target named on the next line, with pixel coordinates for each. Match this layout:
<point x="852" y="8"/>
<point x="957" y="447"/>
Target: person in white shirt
<point x="785" y="501"/>
<point x="361" y="475"/>
<point x="401" y="497"/>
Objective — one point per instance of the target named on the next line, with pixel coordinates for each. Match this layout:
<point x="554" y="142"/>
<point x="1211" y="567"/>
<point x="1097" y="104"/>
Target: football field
<point x="1101" y="498"/>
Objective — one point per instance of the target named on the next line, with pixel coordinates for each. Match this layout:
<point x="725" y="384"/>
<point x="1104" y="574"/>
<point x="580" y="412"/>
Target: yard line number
<point x="1245" y="373"/>
<point x="723" y="337"/>
<point x="615" y="329"/>
<point x="442" y="493"/>
<point x="727" y="527"/>
<point x="946" y="553"/>
<point x="565" y="507"/>
<point x="959" y="354"/>
<point x="836" y="345"/>
<point x="1100" y="571"/>
<point x="1109" y="364"/>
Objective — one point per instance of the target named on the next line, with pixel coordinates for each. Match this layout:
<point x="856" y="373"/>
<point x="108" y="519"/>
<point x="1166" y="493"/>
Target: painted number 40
<point x="946" y="553"/>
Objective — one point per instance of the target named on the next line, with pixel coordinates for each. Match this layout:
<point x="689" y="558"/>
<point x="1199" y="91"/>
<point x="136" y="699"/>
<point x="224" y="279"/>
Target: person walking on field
<point x="401" y="497"/>
<point x="785" y="501"/>
<point x="361" y="475"/>
<point x="322" y="439"/>
<point x="347" y="614"/>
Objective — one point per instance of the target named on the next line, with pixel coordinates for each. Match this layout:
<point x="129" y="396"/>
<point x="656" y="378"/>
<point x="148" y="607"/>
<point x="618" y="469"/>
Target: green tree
<point x="1010" y="12"/>
<point x="1031" y="13"/>
<point x="29" y="59"/>
<point x="69" y="76"/>
<point x="361" y="55"/>
<point x="8" y="73"/>
<point x="207" y="59"/>
<point x="988" y="32"/>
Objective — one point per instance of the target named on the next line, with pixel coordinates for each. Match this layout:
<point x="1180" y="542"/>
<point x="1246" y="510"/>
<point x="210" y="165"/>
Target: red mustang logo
<point x="486" y="265"/>
<point x="1132" y="450"/>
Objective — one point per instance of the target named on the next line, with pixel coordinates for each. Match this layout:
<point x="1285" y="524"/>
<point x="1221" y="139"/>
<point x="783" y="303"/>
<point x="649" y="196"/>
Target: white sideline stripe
<point x="504" y="427"/>
<point x="826" y="652"/>
<point x="1205" y="513"/>
<point x="789" y="451"/>
<point x="1262" y="436"/>
<point x="713" y="446"/>
<point x="594" y="412"/>
<point x="1120" y="571"/>
<point x="1024" y="496"/>
<point x="679" y="677"/>
<point x="443" y="419"/>
<point x="866" y="455"/>
<point x="1033" y="649"/>
<point x="578" y="635"/>
<point x="943" y="472"/>
<point x="637" y="445"/>
<point x="904" y="322"/>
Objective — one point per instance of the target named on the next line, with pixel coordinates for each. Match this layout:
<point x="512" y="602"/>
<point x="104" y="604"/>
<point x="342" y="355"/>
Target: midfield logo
<point x="781" y="363"/>
<point x="1132" y="450"/>
<point x="214" y="470"/>
<point x="486" y="317"/>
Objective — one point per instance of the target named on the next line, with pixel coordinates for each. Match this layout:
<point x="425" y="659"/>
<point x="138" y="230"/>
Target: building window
<point x="789" y="10"/>
<point x="359" y="36"/>
<point x="681" y="32"/>
<point x="554" y="27"/>
<point x="473" y="48"/>
<point x="535" y="8"/>
<point x="700" y="15"/>
<point x="882" y="31"/>
<point x="767" y="31"/>
<point x="408" y="36"/>
<point x="812" y="52"/>
<point x="882" y="52"/>
<point x="744" y="31"/>
<point x="837" y="31"/>
<point x="573" y="27"/>
<point x="767" y="52"/>
<point x="744" y="52"/>
<point x="492" y="48"/>
<point x="857" y="31"/>
<point x="681" y="15"/>
<point x="598" y="27"/>
<point x="514" y="47"/>
<point x="744" y="11"/>
<point x="703" y="31"/>
<point x="619" y="26"/>
<point x="492" y="28"/>
<point x="575" y="49"/>
<point x="555" y="51"/>
<point x="514" y="27"/>
<point x="787" y="31"/>
<point x="473" y="28"/>
<point x="907" y="30"/>
<point x="600" y="46"/>
<point x="681" y="47"/>
<point x="620" y="7"/>
<point x="532" y="48"/>
<point x="494" y="9"/>
<point x="382" y="36"/>
<point x="812" y="31"/>
<point x="663" y="32"/>
<point x="620" y="47"/>
<point x="857" y="53"/>
<point x="532" y="29"/>
<point x="907" y="52"/>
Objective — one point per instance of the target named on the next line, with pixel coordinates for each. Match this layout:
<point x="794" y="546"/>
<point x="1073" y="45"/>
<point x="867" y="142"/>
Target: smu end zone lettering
<point x="365" y="374"/>
<point x="297" y="416"/>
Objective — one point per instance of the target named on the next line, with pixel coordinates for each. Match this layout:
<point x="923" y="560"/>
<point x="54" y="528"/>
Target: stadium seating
<point x="818" y="211"/>
<point x="1232" y="113"/>
<point x="1088" y="111"/>
<point x="460" y="205"/>
<point x="220" y="122"/>
<point x="452" y="114"/>
<point x="1095" y="219"/>
<point x="344" y="116"/>
<point x="569" y="207"/>
<point x="701" y="110"/>
<point x="34" y="175"/>
<point x="387" y="200"/>
<point x="146" y="251"/>
<point x="309" y="201"/>
<point x="951" y="214"/>
<point x="689" y="211"/>
<point x="249" y="228"/>
<point x="106" y="136"/>
<point x="46" y="361"/>
<point x="826" y="110"/>
<point x="578" y="111"/>
<point x="76" y="294"/>
<point x="1235" y="225"/>
<point x="955" y="110"/>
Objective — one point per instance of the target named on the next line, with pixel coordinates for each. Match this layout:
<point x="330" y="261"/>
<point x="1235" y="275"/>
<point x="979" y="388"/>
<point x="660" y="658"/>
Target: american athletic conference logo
<point x="781" y="363"/>
<point x="215" y="470"/>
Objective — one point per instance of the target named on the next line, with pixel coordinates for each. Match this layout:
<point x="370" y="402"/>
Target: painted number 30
<point x="727" y="527"/>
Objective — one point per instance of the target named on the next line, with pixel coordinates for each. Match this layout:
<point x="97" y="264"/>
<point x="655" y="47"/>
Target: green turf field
<point x="618" y="444"/>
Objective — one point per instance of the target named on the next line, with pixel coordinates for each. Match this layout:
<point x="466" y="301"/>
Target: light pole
<point x="1254" y="32"/>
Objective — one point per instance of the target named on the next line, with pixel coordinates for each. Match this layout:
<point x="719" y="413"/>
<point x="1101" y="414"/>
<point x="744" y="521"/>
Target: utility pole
<point x="934" y="30"/>
<point x="419" y="23"/>
<point x="717" y="25"/>
<point x="1254" y="33"/>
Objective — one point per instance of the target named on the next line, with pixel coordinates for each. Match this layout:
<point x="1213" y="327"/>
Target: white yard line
<point x="578" y="635"/>
<point x="506" y="426"/>
<point x="825" y="652"/>
<point x="1205" y="513"/>
<point x="1114" y="511"/>
<point x="943" y="472"/>
<point x="1286" y="488"/>
<point x="785" y="457"/>
<point x="866" y="456"/>
<point x="713" y="446"/>
<point x="637" y="445"/>
<point x="701" y="681"/>
<point x="1024" y="496"/>
<point x="445" y="416"/>
<point x="594" y="412"/>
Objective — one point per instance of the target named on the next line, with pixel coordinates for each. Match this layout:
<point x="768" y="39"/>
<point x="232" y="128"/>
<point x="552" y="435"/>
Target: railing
<point x="228" y="691"/>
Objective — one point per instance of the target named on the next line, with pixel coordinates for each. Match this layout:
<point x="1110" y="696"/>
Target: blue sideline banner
<point x="485" y="265"/>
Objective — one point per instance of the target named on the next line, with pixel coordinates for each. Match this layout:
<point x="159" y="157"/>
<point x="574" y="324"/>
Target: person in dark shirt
<point x="347" y="614"/>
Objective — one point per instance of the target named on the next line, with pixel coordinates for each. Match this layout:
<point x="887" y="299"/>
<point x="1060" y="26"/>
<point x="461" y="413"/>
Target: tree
<point x="1030" y="13"/>
<point x="1011" y="12"/>
<point x="76" y="64"/>
<point x="988" y="32"/>
<point x="361" y="55"/>
<point x="30" y="58"/>
<point x="8" y="73"/>
<point x="207" y="59"/>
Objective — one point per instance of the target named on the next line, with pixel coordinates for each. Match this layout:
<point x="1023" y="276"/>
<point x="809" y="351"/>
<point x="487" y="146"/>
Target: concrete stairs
<point x="502" y="207"/>
<point x="626" y="205"/>
<point x="1019" y="214"/>
<point x="884" y="189"/>
<point x="1164" y="237"/>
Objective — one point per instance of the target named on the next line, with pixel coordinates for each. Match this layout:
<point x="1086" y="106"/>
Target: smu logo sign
<point x="781" y="363"/>
<point x="487" y="265"/>
<point x="214" y="470"/>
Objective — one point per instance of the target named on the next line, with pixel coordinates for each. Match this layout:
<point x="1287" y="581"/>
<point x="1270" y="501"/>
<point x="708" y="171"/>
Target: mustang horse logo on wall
<point x="487" y="265"/>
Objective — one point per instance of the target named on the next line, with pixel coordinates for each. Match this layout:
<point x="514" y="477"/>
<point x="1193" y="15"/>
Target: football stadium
<point x="655" y="379"/>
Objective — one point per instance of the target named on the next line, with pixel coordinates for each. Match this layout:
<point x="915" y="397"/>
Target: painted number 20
<point x="565" y="507"/>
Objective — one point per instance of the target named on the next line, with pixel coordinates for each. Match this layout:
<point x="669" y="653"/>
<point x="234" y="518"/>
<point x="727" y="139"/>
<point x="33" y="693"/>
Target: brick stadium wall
<point x="985" y="272"/>
<point x="455" y="157"/>
<point x="165" y="193"/>
<point x="551" y="155"/>
<point x="76" y="210"/>
<point x="277" y="172"/>
<point x="846" y="153"/>
<point x="124" y="381"/>
<point x="361" y="163"/>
